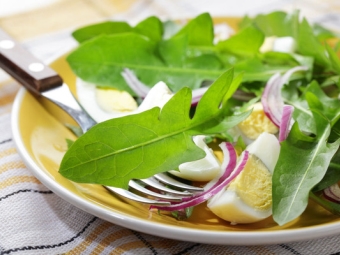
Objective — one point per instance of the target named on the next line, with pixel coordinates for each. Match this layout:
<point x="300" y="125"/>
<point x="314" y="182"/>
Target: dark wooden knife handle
<point x="24" y="67"/>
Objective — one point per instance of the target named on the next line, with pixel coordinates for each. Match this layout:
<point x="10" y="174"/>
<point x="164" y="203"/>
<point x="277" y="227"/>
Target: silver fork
<point x="41" y="80"/>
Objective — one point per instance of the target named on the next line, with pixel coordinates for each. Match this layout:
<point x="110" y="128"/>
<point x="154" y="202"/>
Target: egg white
<point x="202" y="170"/>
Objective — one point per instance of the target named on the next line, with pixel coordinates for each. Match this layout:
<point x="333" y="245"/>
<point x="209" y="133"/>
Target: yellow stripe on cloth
<point x="11" y="166"/>
<point x="10" y="151"/>
<point x="159" y="244"/>
<point x="7" y="99"/>
<point x="18" y="179"/>
<point x="129" y="246"/>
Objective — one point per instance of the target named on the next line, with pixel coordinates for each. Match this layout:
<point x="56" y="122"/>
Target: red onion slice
<point x="272" y="100"/>
<point x="220" y="184"/>
<point x="142" y="90"/>
<point x="286" y="121"/>
<point x="136" y="85"/>
<point x="228" y="165"/>
<point x="197" y="95"/>
<point x="332" y="193"/>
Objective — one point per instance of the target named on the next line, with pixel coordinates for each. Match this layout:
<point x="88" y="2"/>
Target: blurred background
<point x="45" y="25"/>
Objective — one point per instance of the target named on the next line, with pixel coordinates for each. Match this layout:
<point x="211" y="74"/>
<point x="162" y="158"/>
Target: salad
<point x="268" y="95"/>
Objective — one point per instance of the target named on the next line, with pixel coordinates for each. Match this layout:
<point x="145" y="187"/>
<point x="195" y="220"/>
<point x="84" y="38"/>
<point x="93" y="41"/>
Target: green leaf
<point x="334" y="59"/>
<point x="141" y="145"/>
<point x="200" y="31"/>
<point x="304" y="160"/>
<point x="173" y="51"/>
<point x="69" y="142"/>
<point x="330" y="206"/>
<point x="151" y="27"/>
<point x="319" y="101"/>
<point x="309" y="45"/>
<point x="302" y="163"/>
<point x="247" y="42"/>
<point x="329" y="107"/>
<point x="331" y="177"/>
<point x="101" y="61"/>
<point x="104" y="28"/>
<point x="256" y="70"/>
<point x="277" y="23"/>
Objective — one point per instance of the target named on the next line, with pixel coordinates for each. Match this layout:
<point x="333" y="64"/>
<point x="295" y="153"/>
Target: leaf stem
<point x="334" y="208"/>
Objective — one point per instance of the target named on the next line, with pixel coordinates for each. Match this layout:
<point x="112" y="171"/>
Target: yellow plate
<point x="40" y="140"/>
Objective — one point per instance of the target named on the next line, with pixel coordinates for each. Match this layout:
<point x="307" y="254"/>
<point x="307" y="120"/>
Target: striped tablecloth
<point x="33" y="220"/>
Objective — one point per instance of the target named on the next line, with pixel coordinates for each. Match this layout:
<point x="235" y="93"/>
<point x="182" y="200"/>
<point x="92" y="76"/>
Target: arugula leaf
<point x="309" y="45"/>
<point x="334" y="59"/>
<point x="256" y="70"/>
<point x="247" y="42"/>
<point x="331" y="177"/>
<point x="200" y="31"/>
<point x="141" y="145"/>
<point x="107" y="27"/>
<point x="330" y="206"/>
<point x="303" y="159"/>
<point x="101" y="60"/>
<point x="151" y="27"/>
<point x="302" y="163"/>
<point x="277" y="23"/>
<point x="303" y="115"/>
<point x="173" y="51"/>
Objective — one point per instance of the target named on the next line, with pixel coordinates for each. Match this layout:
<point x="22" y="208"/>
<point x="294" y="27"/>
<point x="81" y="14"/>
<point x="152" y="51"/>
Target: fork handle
<point x="18" y="62"/>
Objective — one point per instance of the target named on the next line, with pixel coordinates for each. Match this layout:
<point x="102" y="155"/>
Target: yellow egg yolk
<point x="114" y="100"/>
<point x="257" y="123"/>
<point x="254" y="184"/>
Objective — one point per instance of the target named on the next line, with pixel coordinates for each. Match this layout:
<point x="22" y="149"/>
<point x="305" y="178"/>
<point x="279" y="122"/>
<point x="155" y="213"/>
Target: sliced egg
<point x="113" y="100"/>
<point x="256" y="123"/>
<point x="268" y="44"/>
<point x="104" y="104"/>
<point x="89" y="98"/>
<point x="285" y="44"/>
<point x="222" y="32"/>
<point x="158" y="96"/>
<point x="248" y="198"/>
<point x="202" y="170"/>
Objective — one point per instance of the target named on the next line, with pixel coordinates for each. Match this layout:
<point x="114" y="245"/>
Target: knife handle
<point x="18" y="62"/>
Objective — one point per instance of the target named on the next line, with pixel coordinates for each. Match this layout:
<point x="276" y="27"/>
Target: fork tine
<point x="133" y="184"/>
<point x="164" y="178"/>
<point x="155" y="184"/>
<point x="134" y="197"/>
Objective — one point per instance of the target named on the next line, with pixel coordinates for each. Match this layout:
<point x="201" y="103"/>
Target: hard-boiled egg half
<point x="248" y="198"/>
<point x="104" y="104"/>
<point x="285" y="44"/>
